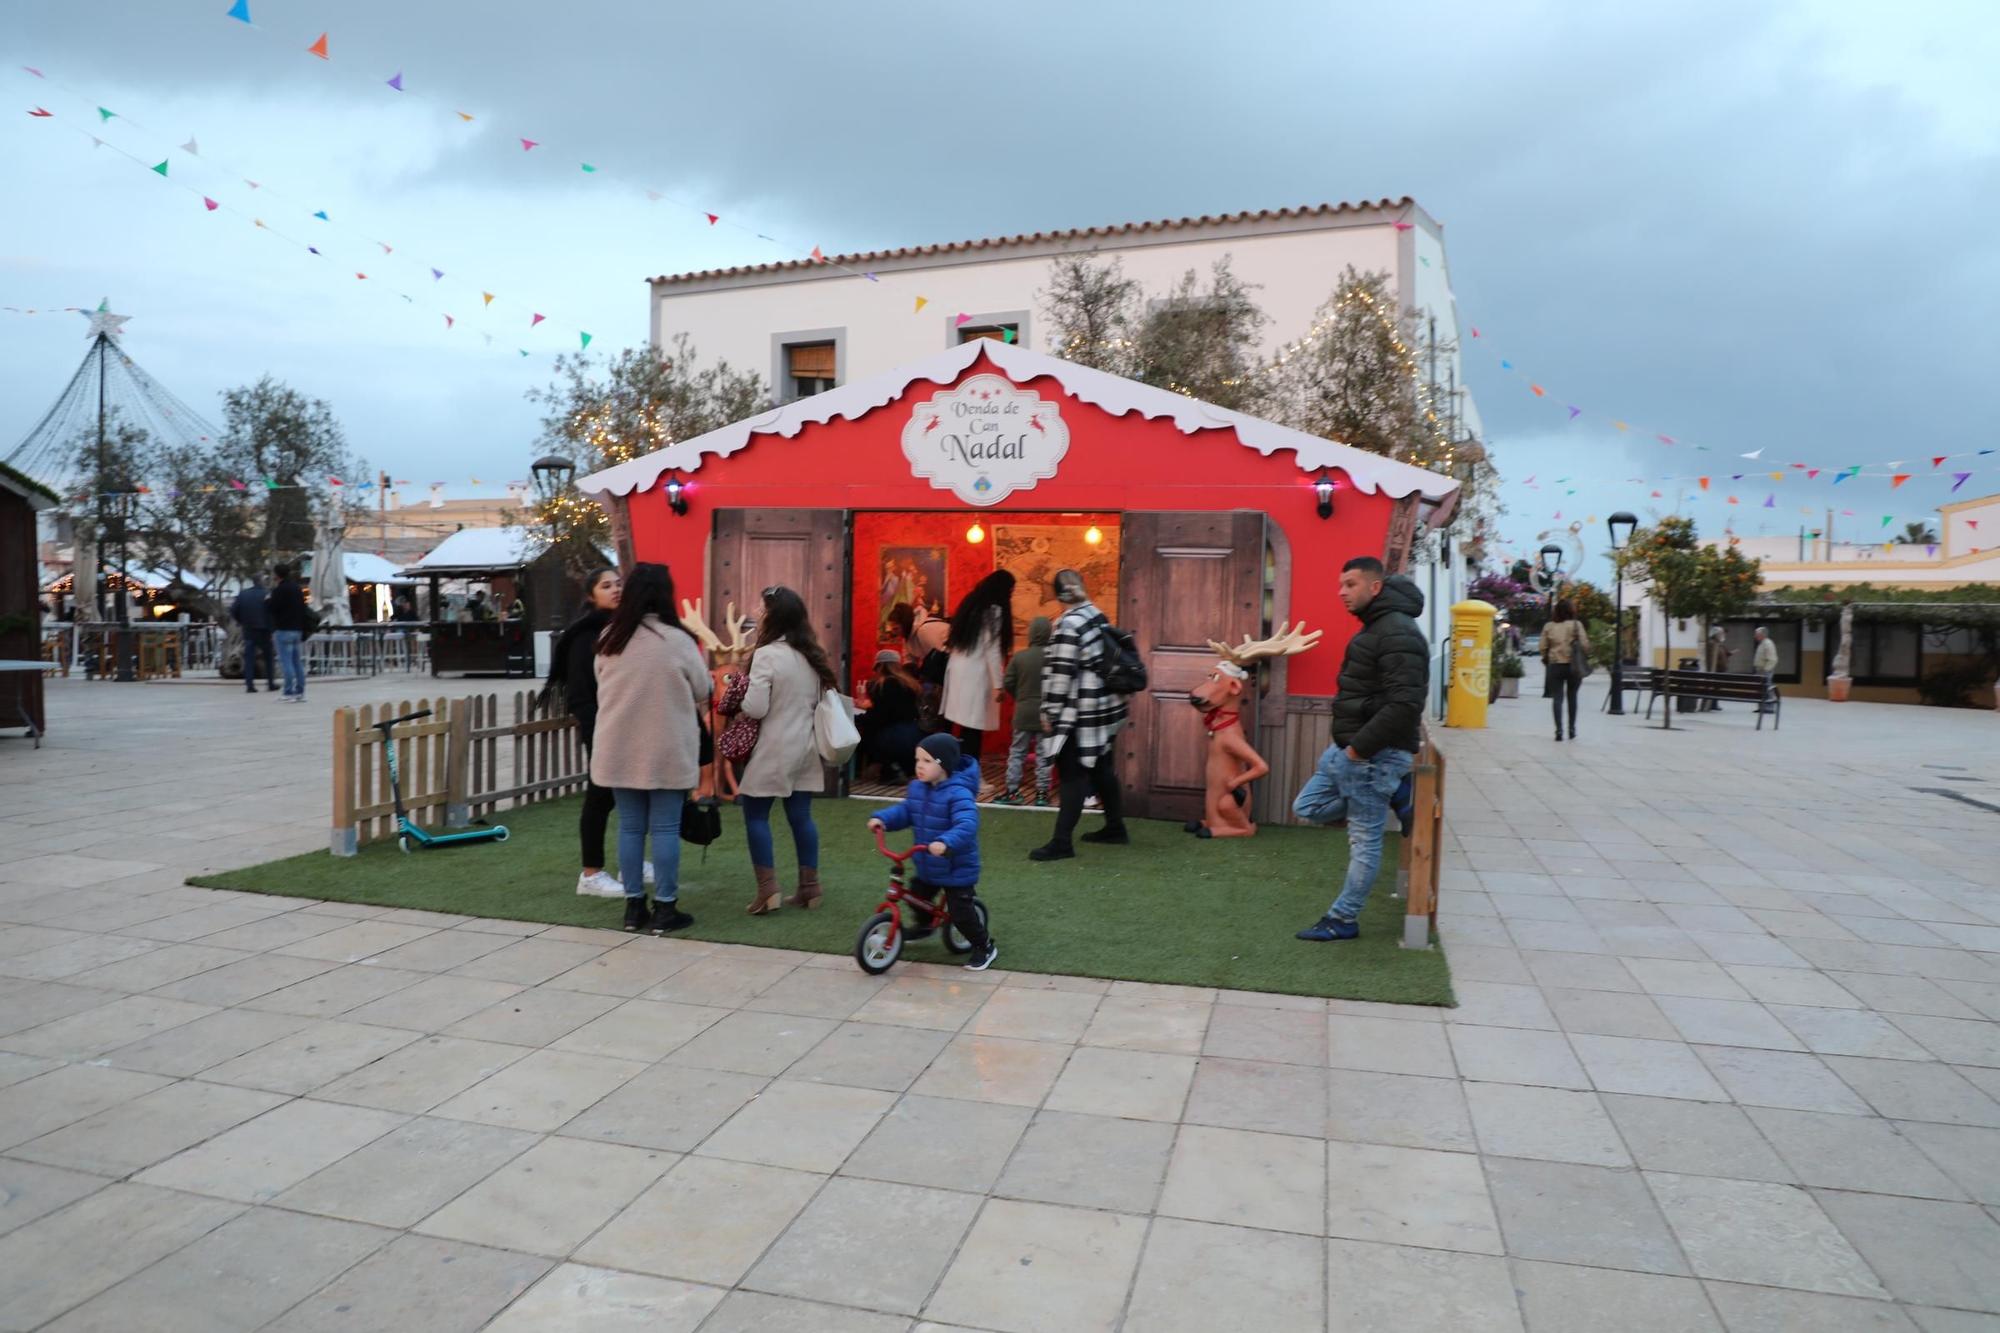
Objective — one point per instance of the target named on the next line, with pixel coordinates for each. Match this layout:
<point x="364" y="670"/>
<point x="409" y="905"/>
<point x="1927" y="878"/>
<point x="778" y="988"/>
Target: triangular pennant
<point x="524" y="351"/>
<point x="252" y="184"/>
<point x="1732" y="499"/>
<point x="191" y="148"/>
<point x="1574" y="412"/>
<point x="528" y="145"/>
<point x="462" y="116"/>
<point x="586" y="339"/>
<point x="449" y="321"/>
<point x="1930" y="551"/>
<point x="1958" y="479"/>
<point x="963" y="319"/>
<point x="42" y="112"/>
<point x="712" y="218"/>
<point x="536" y="320"/>
<point x="335" y="481"/>
<point x="1887" y="519"/>
<point x="321" y="215"/>
<point x="387" y="248"/>
<point x="232" y="481"/>
<point x="487" y="297"/>
<point x="1655" y="495"/>
<point x="1664" y="439"/>
<point x="1777" y="476"/>
<point x="653" y="196"/>
<point x="240" y="11"/>
<point x="1935" y="462"/>
<point x="318" y="48"/>
<point x="270" y="483"/>
<point x="104" y="114"/>
<point x="1537" y="390"/>
<point x="362" y="276"/>
<point x="1703" y="481"/>
<point x="1842" y="477"/>
<point x="1972" y="523"/>
<point x="437" y="275"/>
<point x="1898" y="480"/>
<point x="1770" y="502"/>
<point x="1753" y="454"/>
<point x="396" y="81"/>
<point x="210" y="203"/>
<point x="922" y="301"/>
<point x="313" y="248"/>
<point x="161" y="168"/>
<point x="588" y="167"/>
<point x="817" y="257"/>
<point x="1008" y="335"/>
<point x="1403" y="226"/>
<point x="1811" y="472"/>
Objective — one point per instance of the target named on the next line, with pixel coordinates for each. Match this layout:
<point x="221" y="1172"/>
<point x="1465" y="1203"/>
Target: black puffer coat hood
<point x="1385" y="677"/>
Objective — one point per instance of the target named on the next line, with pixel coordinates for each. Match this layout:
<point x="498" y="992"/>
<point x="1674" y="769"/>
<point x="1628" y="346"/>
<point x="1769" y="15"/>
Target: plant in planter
<point x="1507" y="671"/>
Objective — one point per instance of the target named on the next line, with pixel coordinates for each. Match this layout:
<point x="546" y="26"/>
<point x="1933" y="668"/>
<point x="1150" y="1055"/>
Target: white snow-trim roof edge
<point x="1371" y="473"/>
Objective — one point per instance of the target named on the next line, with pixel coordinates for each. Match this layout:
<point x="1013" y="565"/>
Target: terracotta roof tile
<point x="1075" y="233"/>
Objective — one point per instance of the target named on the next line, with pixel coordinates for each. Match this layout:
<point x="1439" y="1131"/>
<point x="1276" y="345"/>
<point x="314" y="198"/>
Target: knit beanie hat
<point x="943" y="747"/>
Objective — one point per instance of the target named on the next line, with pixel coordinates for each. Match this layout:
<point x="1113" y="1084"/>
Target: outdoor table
<point x="16" y="673"/>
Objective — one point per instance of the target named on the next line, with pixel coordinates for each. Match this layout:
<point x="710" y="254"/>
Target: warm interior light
<point x="975" y="534"/>
<point x="1092" y="535"/>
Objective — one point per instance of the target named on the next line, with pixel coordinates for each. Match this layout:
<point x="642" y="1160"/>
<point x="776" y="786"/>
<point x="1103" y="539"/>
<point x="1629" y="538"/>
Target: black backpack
<point x="1121" y="666"/>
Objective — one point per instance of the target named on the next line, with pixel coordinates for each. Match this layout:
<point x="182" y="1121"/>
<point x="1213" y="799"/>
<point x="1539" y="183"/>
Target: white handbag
<point x="834" y="731"/>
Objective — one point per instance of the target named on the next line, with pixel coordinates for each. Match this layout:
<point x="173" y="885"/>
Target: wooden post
<point x="458" y="766"/>
<point x="344" y="836"/>
<point x="1421" y="872"/>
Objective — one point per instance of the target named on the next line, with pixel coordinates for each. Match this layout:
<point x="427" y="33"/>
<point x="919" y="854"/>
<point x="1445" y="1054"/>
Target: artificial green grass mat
<point x="1168" y="908"/>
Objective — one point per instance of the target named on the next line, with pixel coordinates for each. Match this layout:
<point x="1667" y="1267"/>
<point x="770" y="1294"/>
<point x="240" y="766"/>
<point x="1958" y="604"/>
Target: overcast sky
<point x="1746" y="226"/>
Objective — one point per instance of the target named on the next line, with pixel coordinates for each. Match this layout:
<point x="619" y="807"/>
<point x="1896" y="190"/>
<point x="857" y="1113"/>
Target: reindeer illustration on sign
<point x="1232" y="764"/>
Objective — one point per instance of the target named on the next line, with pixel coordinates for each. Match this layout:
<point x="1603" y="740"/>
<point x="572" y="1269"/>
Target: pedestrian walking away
<point x="252" y="613"/>
<point x="289" y="622"/>
<point x="573" y="678"/>
<point x="789" y="671"/>
<point x="1565" y="662"/>
<point x="942" y="809"/>
<point x="1377" y="727"/>
<point x="651" y="686"/>
<point x="1023" y="684"/>
<point x="1081" y="717"/>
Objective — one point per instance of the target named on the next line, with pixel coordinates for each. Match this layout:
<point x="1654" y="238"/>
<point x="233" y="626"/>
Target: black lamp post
<point x="1552" y="563"/>
<point x="1621" y="526"/>
<point x="552" y="475"/>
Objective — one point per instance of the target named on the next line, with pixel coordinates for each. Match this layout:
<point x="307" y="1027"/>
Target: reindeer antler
<point x="692" y="616"/>
<point x="1289" y="640"/>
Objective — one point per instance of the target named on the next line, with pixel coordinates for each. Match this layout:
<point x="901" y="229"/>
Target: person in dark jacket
<point x="1377" y="727"/>
<point x="573" y="674"/>
<point x="942" y="809"/>
<point x="252" y="613"/>
<point x="888" y="726"/>
<point x="287" y="605"/>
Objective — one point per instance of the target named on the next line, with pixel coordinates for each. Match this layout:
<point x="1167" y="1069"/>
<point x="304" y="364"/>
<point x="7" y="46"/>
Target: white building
<point x="808" y="326"/>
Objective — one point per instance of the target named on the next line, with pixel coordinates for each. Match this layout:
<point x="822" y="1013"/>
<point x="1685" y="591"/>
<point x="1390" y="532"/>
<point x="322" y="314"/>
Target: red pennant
<point x="318" y="48"/>
<point x="1811" y="472"/>
<point x="818" y="258"/>
<point x="335" y="481"/>
<point x="40" y="111"/>
<point x="528" y="145"/>
<point x="536" y="320"/>
<point x="1404" y="226"/>
<point x="1535" y="389"/>
<point x="1898" y="480"/>
<point x="1664" y="439"/>
<point x="1656" y="495"/>
<point x="1939" y="459"/>
<point x="1703" y="481"/>
<point x="362" y="276"/>
<point x="712" y="218"/>
<point x="212" y="205"/>
<point x="449" y="321"/>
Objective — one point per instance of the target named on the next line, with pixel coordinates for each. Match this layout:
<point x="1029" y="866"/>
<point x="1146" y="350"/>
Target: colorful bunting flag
<point x="922" y="301"/>
<point x="528" y="145"/>
<point x="43" y="112"/>
<point x="536" y="320"/>
<point x="1958" y="479"/>
<point x="240" y="11"/>
<point x="437" y="274"/>
<point x="1898" y="480"/>
<point x="1754" y="454"/>
<point x="387" y="248"/>
<point x="1008" y="335"/>
<point x="191" y="148"/>
<point x="1930" y="551"/>
<point x="320" y="213"/>
<point x="588" y="167"/>
<point x="1537" y="390"/>
<point x="1575" y="412"/>
<point x="232" y="481"/>
<point x="210" y="203"/>
<point x="1703" y="481"/>
<point x="1621" y="425"/>
<point x="363" y="277"/>
<point x="104" y="114"/>
<point x="1770" y="502"/>
<point x="396" y="81"/>
<point x="161" y="168"/>
<point x="817" y="257"/>
<point x="486" y="297"/>
<point x="1887" y="519"/>
<point x="464" y="117"/>
<point x="1777" y="476"/>
<point x="318" y="48"/>
<point x="712" y="218"/>
<point x="449" y="321"/>
<point x="586" y="340"/>
<point x="1939" y="459"/>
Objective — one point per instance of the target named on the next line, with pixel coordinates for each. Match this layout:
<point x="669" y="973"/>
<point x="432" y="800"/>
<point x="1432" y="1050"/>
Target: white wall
<point x="1295" y="272"/>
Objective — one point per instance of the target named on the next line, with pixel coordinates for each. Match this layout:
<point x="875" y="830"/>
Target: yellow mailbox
<point x="1471" y="663"/>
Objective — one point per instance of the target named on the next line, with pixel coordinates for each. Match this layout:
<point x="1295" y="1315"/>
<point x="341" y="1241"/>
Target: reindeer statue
<point x="1232" y="764"/>
<point x="725" y="662"/>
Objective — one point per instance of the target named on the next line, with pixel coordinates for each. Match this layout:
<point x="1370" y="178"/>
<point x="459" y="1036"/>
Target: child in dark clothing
<point x="942" y="808"/>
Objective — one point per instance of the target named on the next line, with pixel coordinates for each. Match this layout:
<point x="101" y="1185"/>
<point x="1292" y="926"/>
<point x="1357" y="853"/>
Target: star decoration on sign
<point x="104" y="322"/>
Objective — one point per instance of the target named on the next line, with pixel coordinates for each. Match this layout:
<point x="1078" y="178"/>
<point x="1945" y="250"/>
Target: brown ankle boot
<point x="769" y="896"/>
<point x="809" y="890"/>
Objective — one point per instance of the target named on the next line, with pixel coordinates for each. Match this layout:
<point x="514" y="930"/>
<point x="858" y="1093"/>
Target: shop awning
<point x="1370" y="473"/>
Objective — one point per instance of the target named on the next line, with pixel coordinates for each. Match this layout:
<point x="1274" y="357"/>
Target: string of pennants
<point x="245" y="487"/>
<point x="381" y="252"/>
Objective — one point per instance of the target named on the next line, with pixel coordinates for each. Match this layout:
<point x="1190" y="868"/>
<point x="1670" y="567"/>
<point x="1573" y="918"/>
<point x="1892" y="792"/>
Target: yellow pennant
<point x="922" y="301"/>
<point x="488" y="296"/>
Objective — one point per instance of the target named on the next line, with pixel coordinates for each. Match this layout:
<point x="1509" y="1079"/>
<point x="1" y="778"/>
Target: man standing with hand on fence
<point x="1377" y="727"/>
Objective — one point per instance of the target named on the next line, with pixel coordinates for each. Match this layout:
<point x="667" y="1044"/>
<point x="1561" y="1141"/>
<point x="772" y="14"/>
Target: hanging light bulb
<point x="1092" y="536"/>
<point x="975" y="534"/>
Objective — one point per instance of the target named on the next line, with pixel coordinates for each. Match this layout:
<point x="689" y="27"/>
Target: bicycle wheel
<point x="954" y="939"/>
<point x="879" y="944"/>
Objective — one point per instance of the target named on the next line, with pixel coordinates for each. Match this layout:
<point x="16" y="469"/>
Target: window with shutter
<point x="811" y="368"/>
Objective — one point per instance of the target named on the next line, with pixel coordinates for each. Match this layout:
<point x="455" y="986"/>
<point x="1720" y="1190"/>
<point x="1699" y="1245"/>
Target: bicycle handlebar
<point x="882" y="846"/>
<point x="387" y="723"/>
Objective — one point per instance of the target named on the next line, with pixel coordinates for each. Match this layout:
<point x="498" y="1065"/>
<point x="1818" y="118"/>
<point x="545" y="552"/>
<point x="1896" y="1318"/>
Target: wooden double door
<point x="1185" y="578"/>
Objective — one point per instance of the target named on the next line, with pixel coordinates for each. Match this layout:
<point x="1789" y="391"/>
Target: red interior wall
<point x="1113" y="464"/>
<point x="967" y="563"/>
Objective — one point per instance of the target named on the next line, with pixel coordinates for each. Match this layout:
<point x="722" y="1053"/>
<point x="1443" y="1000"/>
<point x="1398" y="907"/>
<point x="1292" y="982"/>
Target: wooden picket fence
<point x="461" y="763"/>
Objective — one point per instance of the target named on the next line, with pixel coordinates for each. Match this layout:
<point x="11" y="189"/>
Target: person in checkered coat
<point x="1081" y="716"/>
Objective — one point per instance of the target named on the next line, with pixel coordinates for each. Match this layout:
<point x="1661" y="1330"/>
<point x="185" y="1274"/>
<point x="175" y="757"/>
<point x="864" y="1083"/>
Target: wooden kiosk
<point x="1189" y="522"/>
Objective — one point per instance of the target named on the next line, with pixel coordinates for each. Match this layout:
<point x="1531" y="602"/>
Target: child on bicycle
<point x="942" y="808"/>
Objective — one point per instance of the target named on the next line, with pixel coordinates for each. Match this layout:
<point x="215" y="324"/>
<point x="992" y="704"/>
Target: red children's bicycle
<point x="881" y="941"/>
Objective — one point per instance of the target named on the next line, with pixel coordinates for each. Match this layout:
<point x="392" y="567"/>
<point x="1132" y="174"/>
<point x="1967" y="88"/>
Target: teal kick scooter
<point x="409" y="830"/>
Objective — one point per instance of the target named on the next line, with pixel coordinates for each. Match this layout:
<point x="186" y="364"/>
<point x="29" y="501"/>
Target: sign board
<point x="985" y="439"/>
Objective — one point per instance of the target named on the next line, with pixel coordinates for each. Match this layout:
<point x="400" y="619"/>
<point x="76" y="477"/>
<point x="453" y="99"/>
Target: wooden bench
<point x="1721" y="686"/>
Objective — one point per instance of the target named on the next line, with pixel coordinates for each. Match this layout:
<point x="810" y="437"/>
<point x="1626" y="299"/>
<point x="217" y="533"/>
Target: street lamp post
<point x="1621" y="526"/>
<point x="1552" y="563"/>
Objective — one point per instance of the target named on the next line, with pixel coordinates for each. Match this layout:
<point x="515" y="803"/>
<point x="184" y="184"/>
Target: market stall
<point x="491" y="590"/>
<point x="1188" y="521"/>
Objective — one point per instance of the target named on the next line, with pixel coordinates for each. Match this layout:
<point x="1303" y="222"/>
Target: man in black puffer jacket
<point x="1384" y="680"/>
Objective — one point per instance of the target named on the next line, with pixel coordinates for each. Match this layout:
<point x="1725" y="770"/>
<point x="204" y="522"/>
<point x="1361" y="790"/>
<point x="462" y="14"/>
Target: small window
<point x="1002" y="333"/>
<point x="810" y="368"/>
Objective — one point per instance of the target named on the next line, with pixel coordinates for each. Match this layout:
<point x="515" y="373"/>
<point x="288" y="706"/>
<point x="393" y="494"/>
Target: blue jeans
<point x="798" y="813"/>
<point x="654" y="812"/>
<point x="1358" y="791"/>
<point x="289" y="660"/>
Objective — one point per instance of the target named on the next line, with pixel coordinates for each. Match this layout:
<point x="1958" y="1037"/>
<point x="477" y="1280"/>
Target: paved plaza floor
<point x="1727" y="1058"/>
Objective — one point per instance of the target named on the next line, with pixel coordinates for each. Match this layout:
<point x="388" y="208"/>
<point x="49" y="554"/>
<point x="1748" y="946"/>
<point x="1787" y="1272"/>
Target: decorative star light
<point x="104" y="322"/>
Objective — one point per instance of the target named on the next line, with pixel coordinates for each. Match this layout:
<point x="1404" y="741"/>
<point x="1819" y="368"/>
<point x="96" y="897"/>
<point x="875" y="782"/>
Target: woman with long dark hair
<point x="789" y="672"/>
<point x="651" y="685"/>
<point x="889" y="727"/>
<point x="982" y="634"/>
<point x="1565" y="654"/>
<point x="573" y="675"/>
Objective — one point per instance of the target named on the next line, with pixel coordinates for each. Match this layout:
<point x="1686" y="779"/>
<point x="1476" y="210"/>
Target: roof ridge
<point x="1031" y="238"/>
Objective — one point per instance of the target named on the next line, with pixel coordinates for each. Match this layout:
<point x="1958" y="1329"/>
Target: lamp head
<point x="1323" y="492"/>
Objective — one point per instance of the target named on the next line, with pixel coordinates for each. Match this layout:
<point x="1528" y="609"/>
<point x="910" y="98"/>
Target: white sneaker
<point x="597" y="884"/>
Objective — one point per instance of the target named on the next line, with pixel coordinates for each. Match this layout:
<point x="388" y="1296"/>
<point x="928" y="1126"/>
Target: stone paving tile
<point x="805" y="1126"/>
<point x="1589" y="1215"/>
<point x="994" y="1069"/>
<point x="316" y="1053"/>
<point x="1388" y="1046"/>
<point x="749" y="1043"/>
<point x="409" y="1173"/>
<point x="1695" y="1138"/>
<point x="575" y="1297"/>
<point x="551" y="1198"/>
<point x="64" y="1259"/>
<point x="1926" y="1252"/>
<point x="1550" y="1124"/>
<point x="63" y="1096"/>
<point x="542" y="1091"/>
<point x="907" y="1233"/>
<point x="433" y="1004"/>
<point x="1410" y="1196"/>
<point x="134" y="1135"/>
<point x="946" y="1144"/>
<point x="417" y="1282"/>
<point x="1400" y="1289"/>
<point x="1558" y="1298"/>
<point x="1773" y="1310"/>
<point x="1040" y="1268"/>
<point x="29" y="1190"/>
<point x="422" y="1074"/>
<point x="705" y="1220"/>
<point x="1767" y="1234"/>
<point x="1195" y="1277"/>
<point x="1273" y="1181"/>
<point x="1906" y="1090"/>
<point x="534" y="1017"/>
<point x="1851" y="1152"/>
<point x="263" y="1157"/>
<point x="87" y="1035"/>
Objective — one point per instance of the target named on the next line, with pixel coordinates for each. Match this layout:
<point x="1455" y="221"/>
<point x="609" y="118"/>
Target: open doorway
<point x="930" y="560"/>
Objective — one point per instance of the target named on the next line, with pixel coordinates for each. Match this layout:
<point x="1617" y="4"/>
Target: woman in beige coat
<point x="789" y="673"/>
<point x="651" y="685"/>
<point x="1565" y="654"/>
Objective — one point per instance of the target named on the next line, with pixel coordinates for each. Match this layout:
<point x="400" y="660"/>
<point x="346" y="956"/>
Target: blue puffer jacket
<point x="947" y="813"/>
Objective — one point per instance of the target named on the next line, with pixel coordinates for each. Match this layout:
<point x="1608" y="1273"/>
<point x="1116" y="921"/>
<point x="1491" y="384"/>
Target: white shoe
<point x="599" y="885"/>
